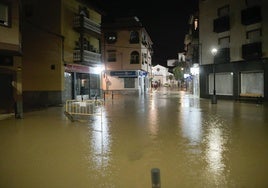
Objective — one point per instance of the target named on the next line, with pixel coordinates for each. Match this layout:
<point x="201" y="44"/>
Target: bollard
<point x="112" y="95"/>
<point x="155" y="175"/>
<point x="96" y="97"/>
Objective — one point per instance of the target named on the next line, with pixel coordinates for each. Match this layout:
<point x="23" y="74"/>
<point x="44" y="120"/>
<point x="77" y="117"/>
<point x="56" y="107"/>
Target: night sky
<point x="166" y="24"/>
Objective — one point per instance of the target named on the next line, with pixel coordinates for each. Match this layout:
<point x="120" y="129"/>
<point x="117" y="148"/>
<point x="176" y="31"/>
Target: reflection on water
<point x="193" y="143"/>
<point x="214" y="151"/>
<point x="191" y="123"/>
<point x="152" y="117"/>
<point x="215" y="148"/>
<point x="99" y="148"/>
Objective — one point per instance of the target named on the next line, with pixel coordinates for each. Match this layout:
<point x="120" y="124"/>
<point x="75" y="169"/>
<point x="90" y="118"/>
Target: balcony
<point x="82" y="23"/>
<point x="252" y="51"/>
<point x="221" y="24"/>
<point x="87" y="57"/>
<point x="223" y="56"/>
<point x="251" y="15"/>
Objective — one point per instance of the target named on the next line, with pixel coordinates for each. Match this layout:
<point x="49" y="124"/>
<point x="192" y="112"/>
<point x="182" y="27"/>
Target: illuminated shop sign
<point x="124" y="73"/>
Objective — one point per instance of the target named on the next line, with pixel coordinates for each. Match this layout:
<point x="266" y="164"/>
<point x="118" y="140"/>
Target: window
<point x="224" y="42"/>
<point x="82" y="84"/>
<point x="144" y="58"/>
<point x="252" y="82"/>
<point x="6" y="60"/>
<point x="111" y="56"/>
<point x="223" y="11"/>
<point x="254" y="35"/>
<point x="135" y="57"/>
<point x="144" y="40"/>
<point x="28" y="10"/>
<point x="129" y="82"/>
<point x="251" y="3"/>
<point x="111" y="37"/>
<point x="134" y="37"/>
<point x="224" y="83"/>
<point x="5" y="19"/>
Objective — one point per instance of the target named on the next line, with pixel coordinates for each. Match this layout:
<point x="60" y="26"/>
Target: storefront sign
<point x="124" y="73"/>
<point x="77" y="68"/>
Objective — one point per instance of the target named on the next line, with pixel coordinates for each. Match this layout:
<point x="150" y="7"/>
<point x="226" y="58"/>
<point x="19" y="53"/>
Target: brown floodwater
<point x="192" y="142"/>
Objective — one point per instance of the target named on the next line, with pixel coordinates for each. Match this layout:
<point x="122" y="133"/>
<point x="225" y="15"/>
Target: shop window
<point x="5" y="18"/>
<point x="252" y="82"/>
<point x="129" y="82"/>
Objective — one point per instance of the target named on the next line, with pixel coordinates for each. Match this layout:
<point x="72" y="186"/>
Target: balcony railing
<point x="87" y="57"/>
<point x="82" y="22"/>
<point x="221" y="24"/>
<point x="223" y="56"/>
<point x="251" y="15"/>
<point x="252" y="51"/>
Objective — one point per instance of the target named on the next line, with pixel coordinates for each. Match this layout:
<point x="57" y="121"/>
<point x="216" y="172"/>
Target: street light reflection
<point x="191" y="127"/>
<point x="100" y="142"/>
<point x="153" y="117"/>
<point x="215" y="149"/>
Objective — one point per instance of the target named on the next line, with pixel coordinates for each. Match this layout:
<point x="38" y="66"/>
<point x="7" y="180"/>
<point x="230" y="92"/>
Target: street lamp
<point x="214" y="96"/>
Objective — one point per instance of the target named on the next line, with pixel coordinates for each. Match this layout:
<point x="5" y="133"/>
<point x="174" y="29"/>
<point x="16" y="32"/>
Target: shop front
<point x="81" y="82"/>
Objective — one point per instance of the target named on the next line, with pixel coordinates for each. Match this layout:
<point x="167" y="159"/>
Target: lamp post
<point x="214" y="96"/>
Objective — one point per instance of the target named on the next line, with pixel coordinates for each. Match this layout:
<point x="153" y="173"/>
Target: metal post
<point x="155" y="175"/>
<point x="214" y="96"/>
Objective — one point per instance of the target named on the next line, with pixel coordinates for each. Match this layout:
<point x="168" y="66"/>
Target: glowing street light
<point x="214" y="96"/>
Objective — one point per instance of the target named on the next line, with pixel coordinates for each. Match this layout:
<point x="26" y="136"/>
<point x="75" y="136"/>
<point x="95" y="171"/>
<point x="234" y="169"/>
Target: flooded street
<point x="194" y="143"/>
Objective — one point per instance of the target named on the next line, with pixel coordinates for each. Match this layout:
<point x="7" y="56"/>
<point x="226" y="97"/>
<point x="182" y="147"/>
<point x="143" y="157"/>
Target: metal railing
<point x="81" y="21"/>
<point x="78" y="108"/>
<point x="87" y="56"/>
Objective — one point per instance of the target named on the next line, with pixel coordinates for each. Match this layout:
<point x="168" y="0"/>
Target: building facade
<point x="127" y="56"/>
<point x="61" y="51"/>
<point x="237" y="29"/>
<point x="192" y="54"/>
<point x="10" y="58"/>
<point x="162" y="76"/>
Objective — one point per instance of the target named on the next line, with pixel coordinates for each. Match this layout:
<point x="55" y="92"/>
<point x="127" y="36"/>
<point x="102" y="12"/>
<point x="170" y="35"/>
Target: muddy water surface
<point x="194" y="144"/>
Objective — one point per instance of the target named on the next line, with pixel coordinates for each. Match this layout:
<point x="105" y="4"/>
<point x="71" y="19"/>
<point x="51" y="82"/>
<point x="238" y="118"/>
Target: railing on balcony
<point x="221" y="24"/>
<point x="252" y="51"/>
<point x="251" y="15"/>
<point x="223" y="56"/>
<point x="87" y="57"/>
<point x="82" y="22"/>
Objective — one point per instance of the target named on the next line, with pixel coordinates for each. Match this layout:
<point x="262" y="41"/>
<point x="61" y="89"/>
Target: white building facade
<point x="237" y="28"/>
<point x="161" y="75"/>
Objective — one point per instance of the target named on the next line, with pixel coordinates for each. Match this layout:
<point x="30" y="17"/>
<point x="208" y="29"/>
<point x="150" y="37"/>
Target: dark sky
<point x="166" y="24"/>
